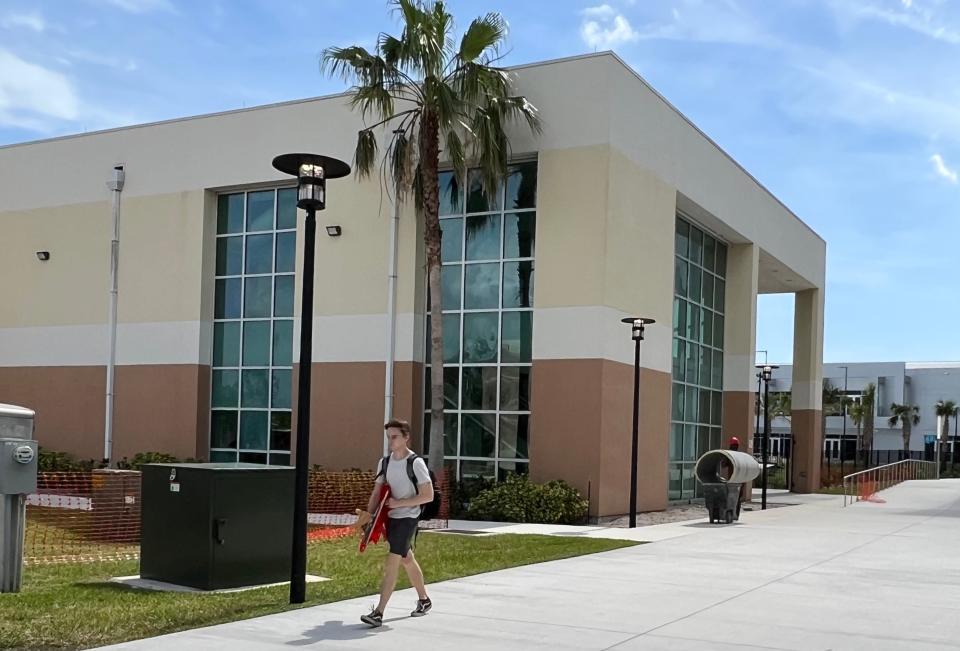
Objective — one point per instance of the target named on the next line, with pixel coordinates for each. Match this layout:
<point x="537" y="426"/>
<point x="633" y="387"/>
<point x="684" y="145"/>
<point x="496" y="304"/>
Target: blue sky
<point x="848" y="110"/>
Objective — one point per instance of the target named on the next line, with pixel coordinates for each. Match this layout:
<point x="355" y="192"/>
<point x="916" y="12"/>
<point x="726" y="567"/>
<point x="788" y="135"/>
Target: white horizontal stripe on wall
<point x="595" y="332"/>
<point x="172" y="342"/>
<point x="739" y="373"/>
<point x="361" y="338"/>
<point x="558" y="333"/>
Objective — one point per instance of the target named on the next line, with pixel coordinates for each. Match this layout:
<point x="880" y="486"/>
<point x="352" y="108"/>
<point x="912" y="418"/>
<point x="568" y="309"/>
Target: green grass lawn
<point x="69" y="606"/>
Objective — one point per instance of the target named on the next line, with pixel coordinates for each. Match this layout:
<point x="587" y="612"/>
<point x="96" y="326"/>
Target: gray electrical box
<point x="18" y="466"/>
<point x="18" y="478"/>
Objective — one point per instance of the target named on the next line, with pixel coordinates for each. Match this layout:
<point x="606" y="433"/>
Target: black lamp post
<point x="312" y="172"/>
<point x="637" y="325"/>
<point x="766" y="373"/>
<point x="756" y="431"/>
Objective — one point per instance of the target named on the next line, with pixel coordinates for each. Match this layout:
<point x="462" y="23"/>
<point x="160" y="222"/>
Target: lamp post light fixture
<point x="637" y="324"/>
<point x="766" y="374"/>
<point x="312" y="172"/>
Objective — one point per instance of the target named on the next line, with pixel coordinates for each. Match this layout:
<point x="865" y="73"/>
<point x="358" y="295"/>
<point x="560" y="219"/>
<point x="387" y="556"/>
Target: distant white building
<point x="916" y="383"/>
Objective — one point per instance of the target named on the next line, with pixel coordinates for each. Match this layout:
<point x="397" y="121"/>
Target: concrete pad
<point x="137" y="583"/>
<point x="816" y="576"/>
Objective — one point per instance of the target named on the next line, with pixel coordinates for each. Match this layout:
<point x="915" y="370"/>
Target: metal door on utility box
<point x="250" y="549"/>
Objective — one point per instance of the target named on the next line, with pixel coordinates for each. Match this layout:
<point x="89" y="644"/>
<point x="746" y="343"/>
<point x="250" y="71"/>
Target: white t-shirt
<point x="401" y="487"/>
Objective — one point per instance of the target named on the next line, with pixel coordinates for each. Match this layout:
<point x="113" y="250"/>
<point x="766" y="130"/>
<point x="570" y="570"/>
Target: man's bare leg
<point x="415" y="574"/>
<point x="391" y="568"/>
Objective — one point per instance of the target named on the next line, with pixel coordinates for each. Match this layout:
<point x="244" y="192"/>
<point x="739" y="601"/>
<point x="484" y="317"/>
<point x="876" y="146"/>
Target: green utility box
<point x="216" y="525"/>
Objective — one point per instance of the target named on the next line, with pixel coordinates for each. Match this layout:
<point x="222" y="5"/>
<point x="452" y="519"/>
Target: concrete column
<point x="740" y="343"/>
<point x="807" y="390"/>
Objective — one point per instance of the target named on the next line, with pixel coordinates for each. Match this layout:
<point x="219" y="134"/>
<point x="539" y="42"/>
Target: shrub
<point x="143" y="458"/>
<point x="519" y="500"/>
<point x="462" y="493"/>
<point x="53" y="461"/>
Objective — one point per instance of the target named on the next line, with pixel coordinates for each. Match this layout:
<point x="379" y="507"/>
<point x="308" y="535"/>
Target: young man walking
<point x="404" y="504"/>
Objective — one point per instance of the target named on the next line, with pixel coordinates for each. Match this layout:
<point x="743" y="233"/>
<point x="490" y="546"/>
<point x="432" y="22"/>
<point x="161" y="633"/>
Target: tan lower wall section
<point x="654" y="437"/>
<point x="161" y="407"/>
<point x="739" y="418"/>
<point x="807" y="425"/>
<point x="581" y="431"/>
<point x="157" y="407"/>
<point x="346" y="414"/>
<point x="565" y="424"/>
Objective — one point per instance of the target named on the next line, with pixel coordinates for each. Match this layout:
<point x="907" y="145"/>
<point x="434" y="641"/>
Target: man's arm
<point x="424" y="495"/>
<point x="375" y="493"/>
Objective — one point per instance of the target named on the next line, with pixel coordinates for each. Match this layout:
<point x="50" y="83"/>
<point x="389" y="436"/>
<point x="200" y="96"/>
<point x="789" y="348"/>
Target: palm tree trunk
<point x="942" y="436"/>
<point x="429" y="164"/>
<point x="906" y="438"/>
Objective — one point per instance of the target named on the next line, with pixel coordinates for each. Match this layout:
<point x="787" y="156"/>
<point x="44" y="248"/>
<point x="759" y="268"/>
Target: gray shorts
<point x="400" y="533"/>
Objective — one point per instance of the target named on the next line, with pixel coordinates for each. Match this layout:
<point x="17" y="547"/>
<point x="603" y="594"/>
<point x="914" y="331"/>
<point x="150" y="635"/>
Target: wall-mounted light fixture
<point x="43" y="256"/>
<point x="334" y="231"/>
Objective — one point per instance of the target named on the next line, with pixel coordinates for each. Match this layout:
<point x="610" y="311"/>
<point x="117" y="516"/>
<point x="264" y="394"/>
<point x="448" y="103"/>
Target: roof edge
<point x="690" y="122"/>
<point x="259" y="107"/>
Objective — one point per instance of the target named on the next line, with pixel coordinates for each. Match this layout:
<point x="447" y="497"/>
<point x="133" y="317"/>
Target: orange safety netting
<point x="95" y="515"/>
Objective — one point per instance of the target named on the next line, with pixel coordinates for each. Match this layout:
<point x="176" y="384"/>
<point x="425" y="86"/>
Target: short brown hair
<point x="396" y="423"/>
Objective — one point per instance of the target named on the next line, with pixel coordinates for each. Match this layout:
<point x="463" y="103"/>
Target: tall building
<point x="620" y="207"/>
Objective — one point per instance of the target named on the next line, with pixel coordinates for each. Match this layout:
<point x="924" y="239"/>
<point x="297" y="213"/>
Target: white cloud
<point x="838" y="91"/>
<point x="30" y="21"/>
<point x="942" y="170"/>
<point x="141" y="6"/>
<point x="922" y="20"/>
<point x="117" y="63"/>
<point x="31" y="95"/>
<point x="708" y="21"/>
<point x="604" y="28"/>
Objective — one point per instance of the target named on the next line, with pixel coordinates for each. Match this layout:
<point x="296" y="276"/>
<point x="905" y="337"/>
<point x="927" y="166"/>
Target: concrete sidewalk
<point x="816" y="576"/>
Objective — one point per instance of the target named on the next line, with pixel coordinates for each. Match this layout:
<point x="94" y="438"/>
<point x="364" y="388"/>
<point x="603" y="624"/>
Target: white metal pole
<point x="391" y="314"/>
<point x="116" y="187"/>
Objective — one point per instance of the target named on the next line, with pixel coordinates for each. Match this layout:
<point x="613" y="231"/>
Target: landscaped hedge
<point x="519" y="500"/>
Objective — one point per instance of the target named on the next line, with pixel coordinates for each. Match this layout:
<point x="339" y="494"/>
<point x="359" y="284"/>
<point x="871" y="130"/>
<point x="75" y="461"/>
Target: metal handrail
<point x="874" y="480"/>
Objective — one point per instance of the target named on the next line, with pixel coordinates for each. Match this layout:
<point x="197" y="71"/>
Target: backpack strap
<point x="412" y="475"/>
<point x="383" y="468"/>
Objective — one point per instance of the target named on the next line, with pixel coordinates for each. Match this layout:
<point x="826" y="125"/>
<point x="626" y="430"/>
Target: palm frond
<point x="443" y="101"/>
<point x="484" y="33"/>
<point x="365" y="155"/>
<point x="402" y="155"/>
<point x="348" y="63"/>
<point x="490" y="148"/>
<point x="518" y="108"/>
<point x="474" y="83"/>
<point x="456" y="153"/>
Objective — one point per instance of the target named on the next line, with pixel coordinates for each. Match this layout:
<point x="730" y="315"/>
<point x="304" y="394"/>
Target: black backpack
<point x="431" y="509"/>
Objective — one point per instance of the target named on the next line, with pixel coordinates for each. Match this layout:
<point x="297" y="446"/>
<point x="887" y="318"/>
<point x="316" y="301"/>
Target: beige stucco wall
<point x="610" y="146"/>
<point x="615" y="163"/>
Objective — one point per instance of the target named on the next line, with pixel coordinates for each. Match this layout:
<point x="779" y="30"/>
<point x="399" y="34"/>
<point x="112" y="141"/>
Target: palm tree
<point x="855" y="411"/>
<point x="868" y="403"/>
<point x="782" y="405"/>
<point x="831" y="396"/>
<point x="429" y="91"/>
<point x="947" y="409"/>
<point x="909" y="415"/>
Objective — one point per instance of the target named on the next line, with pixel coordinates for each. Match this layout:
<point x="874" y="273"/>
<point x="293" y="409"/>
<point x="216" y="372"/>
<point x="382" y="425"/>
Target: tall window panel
<point x="253" y="327"/>
<point x="700" y="268"/>
<point x="488" y="284"/>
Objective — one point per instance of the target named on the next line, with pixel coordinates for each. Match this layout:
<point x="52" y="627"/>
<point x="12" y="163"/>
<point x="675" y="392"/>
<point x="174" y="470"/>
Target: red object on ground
<point x="376" y="530"/>
<point x="733" y="443"/>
